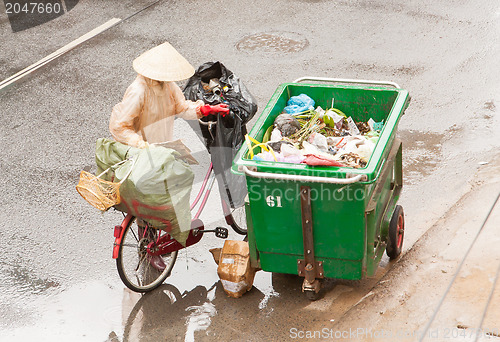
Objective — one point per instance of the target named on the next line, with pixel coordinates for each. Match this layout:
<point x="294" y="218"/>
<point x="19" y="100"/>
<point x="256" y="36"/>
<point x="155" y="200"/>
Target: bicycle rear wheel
<point x="133" y="262"/>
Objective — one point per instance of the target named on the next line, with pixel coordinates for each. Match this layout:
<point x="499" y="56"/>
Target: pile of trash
<point x="318" y="137"/>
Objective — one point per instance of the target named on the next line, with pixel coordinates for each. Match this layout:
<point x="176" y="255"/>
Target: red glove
<point x="223" y="109"/>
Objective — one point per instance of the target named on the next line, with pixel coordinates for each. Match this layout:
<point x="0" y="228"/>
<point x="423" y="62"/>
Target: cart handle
<point x="346" y="80"/>
<point x="298" y="178"/>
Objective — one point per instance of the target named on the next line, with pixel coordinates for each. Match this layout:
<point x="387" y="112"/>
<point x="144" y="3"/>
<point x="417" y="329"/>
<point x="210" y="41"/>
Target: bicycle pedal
<point x="221" y="232"/>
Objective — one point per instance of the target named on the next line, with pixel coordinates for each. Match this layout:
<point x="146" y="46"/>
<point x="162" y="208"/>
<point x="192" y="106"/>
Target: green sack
<point x="158" y="188"/>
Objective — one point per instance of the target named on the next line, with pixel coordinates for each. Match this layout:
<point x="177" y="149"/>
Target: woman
<point x="146" y="113"/>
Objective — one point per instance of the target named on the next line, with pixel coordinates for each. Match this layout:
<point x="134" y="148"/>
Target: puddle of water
<point x="199" y="319"/>
<point x="21" y="280"/>
<point x="87" y="311"/>
<point x="286" y="42"/>
<point x="263" y="282"/>
<point x="166" y="312"/>
<point x="19" y="288"/>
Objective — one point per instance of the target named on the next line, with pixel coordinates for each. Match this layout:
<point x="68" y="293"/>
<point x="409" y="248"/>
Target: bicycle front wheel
<point x="134" y="262"/>
<point x="239" y="220"/>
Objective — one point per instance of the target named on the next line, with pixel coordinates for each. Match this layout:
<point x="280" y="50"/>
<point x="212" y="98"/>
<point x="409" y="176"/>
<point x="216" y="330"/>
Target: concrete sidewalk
<point x="403" y="302"/>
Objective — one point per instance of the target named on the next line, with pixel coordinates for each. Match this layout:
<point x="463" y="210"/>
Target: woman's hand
<point x="222" y="109"/>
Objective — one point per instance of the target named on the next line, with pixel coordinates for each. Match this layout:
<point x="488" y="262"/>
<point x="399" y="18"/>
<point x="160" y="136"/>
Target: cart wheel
<point x="312" y="295"/>
<point x="396" y="233"/>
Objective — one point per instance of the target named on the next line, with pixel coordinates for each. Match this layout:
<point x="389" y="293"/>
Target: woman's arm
<point x="125" y="114"/>
<point x="185" y="109"/>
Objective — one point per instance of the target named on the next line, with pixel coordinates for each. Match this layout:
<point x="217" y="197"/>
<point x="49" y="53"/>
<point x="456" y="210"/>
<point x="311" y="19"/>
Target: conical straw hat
<point x="163" y="63"/>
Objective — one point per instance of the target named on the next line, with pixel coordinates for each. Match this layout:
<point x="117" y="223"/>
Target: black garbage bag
<point x="223" y="135"/>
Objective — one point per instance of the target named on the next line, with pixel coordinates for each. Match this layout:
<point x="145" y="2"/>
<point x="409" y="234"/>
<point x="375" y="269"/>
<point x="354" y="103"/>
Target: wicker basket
<point x="100" y="193"/>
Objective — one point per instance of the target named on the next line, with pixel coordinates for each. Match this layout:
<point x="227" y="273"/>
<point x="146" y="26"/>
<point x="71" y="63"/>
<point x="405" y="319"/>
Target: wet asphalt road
<point x="58" y="279"/>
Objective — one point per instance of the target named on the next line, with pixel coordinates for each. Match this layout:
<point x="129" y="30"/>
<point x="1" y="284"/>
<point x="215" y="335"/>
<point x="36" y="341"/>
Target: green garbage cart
<point x="327" y="222"/>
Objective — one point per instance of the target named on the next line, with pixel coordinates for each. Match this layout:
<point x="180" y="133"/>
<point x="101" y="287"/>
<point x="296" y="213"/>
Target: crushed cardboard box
<point x="234" y="270"/>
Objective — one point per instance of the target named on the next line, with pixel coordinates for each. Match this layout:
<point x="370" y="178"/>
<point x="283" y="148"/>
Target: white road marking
<point x="59" y="52"/>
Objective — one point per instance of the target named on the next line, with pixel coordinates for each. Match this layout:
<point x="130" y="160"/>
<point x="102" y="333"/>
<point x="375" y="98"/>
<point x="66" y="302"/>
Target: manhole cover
<point x="273" y="42"/>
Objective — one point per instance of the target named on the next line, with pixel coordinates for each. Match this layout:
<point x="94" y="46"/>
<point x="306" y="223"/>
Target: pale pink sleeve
<point x="125" y="115"/>
<point x="185" y="109"/>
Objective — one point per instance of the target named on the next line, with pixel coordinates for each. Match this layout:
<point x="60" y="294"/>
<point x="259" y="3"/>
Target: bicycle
<point x="135" y="246"/>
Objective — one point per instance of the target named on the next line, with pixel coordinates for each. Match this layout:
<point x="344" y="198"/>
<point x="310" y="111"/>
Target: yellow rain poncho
<point x="147" y="112"/>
